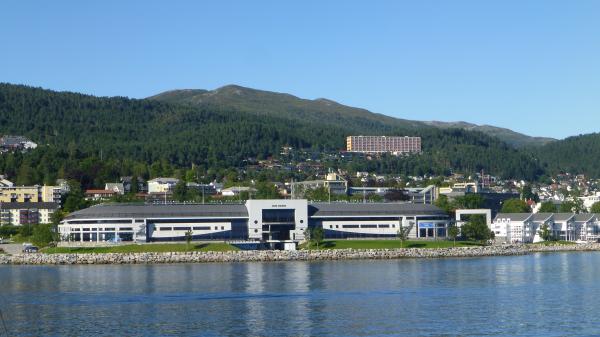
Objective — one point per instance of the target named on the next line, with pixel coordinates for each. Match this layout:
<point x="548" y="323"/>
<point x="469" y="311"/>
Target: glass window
<point x="279" y="215"/>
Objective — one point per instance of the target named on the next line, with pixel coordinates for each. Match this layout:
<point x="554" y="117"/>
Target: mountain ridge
<point x="276" y="103"/>
<point x="152" y="135"/>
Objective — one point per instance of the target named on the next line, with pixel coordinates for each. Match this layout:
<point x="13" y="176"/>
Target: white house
<point x="236" y="190"/>
<point x="162" y="185"/>
<point x="118" y="188"/>
<point x="525" y="227"/>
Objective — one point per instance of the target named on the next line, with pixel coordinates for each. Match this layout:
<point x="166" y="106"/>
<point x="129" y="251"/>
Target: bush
<point x="476" y="229"/>
<point x="26" y="230"/>
<point x="43" y="235"/>
<point x="7" y="231"/>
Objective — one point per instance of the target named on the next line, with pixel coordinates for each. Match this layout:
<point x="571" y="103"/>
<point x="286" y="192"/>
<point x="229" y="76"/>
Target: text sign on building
<point x="426" y="225"/>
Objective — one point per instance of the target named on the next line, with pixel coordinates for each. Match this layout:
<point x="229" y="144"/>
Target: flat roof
<point x="366" y="209"/>
<point x="28" y="205"/>
<point x="239" y="210"/>
<point x="159" y="211"/>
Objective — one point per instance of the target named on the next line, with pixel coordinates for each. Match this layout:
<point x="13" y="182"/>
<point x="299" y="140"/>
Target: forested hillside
<point x="95" y="139"/>
<point x="577" y="155"/>
<point x="324" y="111"/>
<point x="510" y="137"/>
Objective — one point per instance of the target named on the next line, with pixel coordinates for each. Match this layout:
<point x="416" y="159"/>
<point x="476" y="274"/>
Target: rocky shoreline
<point x="275" y="255"/>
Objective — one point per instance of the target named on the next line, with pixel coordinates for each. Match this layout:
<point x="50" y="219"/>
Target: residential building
<point x="381" y="144"/>
<point x="12" y="143"/>
<point x="99" y="195"/>
<point x="12" y="193"/>
<point x="5" y="182"/>
<point x="236" y="191"/>
<point x="335" y="183"/>
<point x="590" y="200"/>
<point x="25" y="213"/>
<point x="162" y="185"/>
<point x="52" y="194"/>
<point x="141" y="185"/>
<point x="206" y="189"/>
<point x="118" y="188"/>
<point x="525" y="227"/>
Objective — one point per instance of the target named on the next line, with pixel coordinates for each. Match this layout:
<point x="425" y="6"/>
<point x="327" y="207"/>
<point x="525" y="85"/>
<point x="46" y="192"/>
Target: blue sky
<point x="532" y="66"/>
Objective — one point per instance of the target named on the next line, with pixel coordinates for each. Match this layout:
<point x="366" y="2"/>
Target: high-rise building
<point x="381" y="144"/>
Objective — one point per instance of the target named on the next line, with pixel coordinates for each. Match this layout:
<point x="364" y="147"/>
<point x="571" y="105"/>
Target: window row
<point x="196" y="228"/>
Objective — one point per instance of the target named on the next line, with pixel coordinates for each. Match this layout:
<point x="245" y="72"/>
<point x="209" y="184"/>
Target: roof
<point x="366" y="209"/>
<point x="513" y="216"/>
<point x="159" y="211"/>
<point x="99" y="192"/>
<point x="540" y="217"/>
<point x="238" y="189"/>
<point x="113" y="185"/>
<point x="28" y="205"/>
<point x="584" y="217"/>
<point x="164" y="180"/>
<point x="563" y="216"/>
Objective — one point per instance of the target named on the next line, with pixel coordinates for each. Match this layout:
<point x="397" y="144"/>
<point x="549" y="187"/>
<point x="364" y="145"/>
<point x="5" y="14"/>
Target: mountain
<point x="511" y="137"/>
<point x="96" y="139"/>
<point x="576" y="155"/>
<point x="324" y="111"/>
<point x="267" y="103"/>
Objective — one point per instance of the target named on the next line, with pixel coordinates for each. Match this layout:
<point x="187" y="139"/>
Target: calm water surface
<point x="535" y="295"/>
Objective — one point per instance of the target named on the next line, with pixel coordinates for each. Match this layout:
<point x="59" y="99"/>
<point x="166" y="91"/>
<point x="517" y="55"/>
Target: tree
<point x="527" y="194"/>
<point x="26" y="230"/>
<point x="545" y="233"/>
<point x="443" y="203"/>
<point x="595" y="208"/>
<point x="453" y="232"/>
<point x="8" y="231"/>
<point x="571" y="206"/>
<point x="317" y="236"/>
<point x="180" y="192"/>
<point x="43" y="235"/>
<point x="266" y="190"/>
<point x="476" y="229"/>
<point x="188" y="238"/>
<point x="547" y="207"/>
<point x="308" y="236"/>
<point x="317" y="194"/>
<point x="469" y="201"/>
<point x="515" y="206"/>
<point x="134" y="188"/>
<point x="402" y="234"/>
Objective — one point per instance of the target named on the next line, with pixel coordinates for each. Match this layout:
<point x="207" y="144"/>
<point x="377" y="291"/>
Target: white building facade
<point x="274" y="222"/>
<point x="162" y="185"/>
<point x="526" y="227"/>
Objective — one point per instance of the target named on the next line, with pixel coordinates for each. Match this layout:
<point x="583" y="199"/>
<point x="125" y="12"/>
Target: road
<point x="12" y="248"/>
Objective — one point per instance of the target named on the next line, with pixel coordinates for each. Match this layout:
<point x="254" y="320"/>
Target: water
<point x="534" y="295"/>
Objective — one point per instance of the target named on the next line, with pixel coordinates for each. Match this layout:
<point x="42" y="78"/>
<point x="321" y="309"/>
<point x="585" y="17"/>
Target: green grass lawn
<point x="552" y="243"/>
<point x="144" y="248"/>
<point x="384" y="244"/>
<point x="17" y="238"/>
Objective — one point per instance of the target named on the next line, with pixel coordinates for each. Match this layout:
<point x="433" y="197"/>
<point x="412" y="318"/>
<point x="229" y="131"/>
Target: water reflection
<point x="541" y="294"/>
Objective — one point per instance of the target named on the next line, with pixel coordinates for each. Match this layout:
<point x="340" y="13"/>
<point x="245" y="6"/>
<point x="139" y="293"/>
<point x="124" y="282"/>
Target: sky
<point x="531" y="66"/>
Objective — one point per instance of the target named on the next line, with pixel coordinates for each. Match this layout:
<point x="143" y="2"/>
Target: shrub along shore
<point x="276" y="255"/>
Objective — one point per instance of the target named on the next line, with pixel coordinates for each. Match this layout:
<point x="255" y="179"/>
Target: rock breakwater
<point x="275" y="255"/>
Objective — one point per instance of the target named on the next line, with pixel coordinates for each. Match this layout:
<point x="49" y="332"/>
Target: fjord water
<point x="533" y="295"/>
